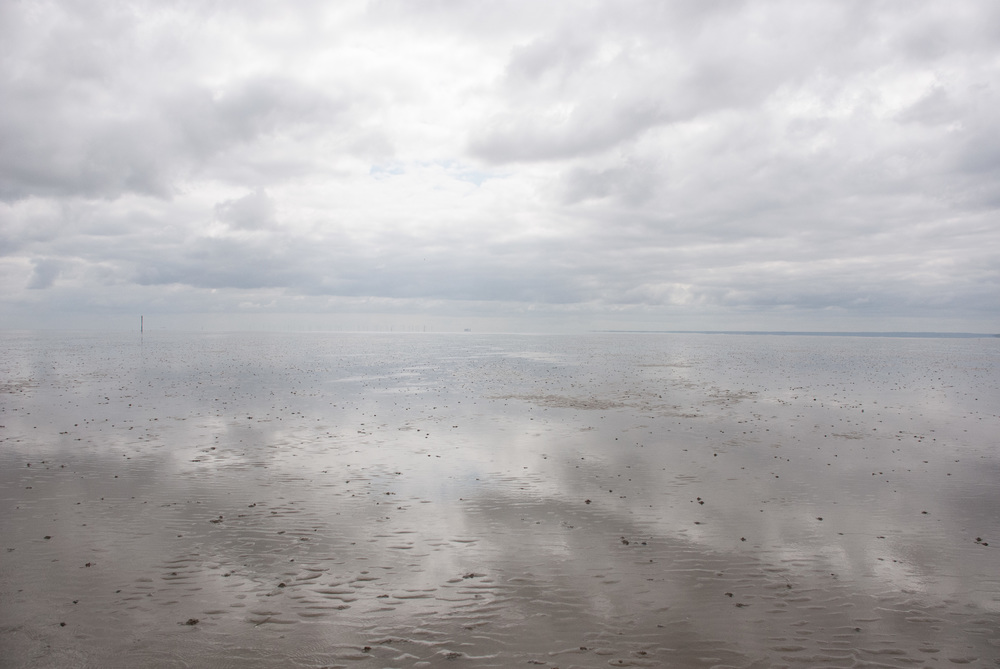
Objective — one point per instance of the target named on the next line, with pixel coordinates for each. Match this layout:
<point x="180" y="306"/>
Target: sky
<point x="516" y="166"/>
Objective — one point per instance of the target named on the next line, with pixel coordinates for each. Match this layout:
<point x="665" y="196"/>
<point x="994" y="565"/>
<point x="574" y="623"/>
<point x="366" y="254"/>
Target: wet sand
<point x="320" y="500"/>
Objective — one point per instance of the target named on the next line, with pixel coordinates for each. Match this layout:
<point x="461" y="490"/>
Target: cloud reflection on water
<point x="306" y="497"/>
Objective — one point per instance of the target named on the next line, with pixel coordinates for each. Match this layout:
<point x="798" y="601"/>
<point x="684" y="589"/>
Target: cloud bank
<point x="564" y="166"/>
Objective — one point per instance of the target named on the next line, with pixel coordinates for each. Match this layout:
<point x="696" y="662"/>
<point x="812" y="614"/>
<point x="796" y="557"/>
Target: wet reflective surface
<point x="323" y="500"/>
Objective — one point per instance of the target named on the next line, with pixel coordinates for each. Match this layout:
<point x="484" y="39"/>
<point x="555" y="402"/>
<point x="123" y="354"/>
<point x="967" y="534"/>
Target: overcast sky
<point x="520" y="166"/>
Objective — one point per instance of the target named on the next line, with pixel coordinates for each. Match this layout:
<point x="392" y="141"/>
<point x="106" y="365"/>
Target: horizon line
<point x="902" y="334"/>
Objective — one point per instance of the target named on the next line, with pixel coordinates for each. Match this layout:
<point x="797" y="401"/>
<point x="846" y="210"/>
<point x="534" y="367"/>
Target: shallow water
<point x="323" y="500"/>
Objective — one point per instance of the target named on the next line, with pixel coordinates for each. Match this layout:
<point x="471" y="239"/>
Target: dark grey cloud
<point x="44" y="273"/>
<point x="63" y="145"/>
<point x="104" y="101"/>
<point x="934" y="108"/>
<point x="253" y="211"/>
<point x="222" y="263"/>
<point x="632" y="183"/>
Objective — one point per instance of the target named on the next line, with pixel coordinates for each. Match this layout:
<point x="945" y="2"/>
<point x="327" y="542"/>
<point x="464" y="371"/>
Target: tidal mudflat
<point x="335" y="500"/>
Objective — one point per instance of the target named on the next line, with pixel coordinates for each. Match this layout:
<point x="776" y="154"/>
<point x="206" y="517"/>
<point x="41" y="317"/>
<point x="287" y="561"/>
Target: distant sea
<point x="909" y="335"/>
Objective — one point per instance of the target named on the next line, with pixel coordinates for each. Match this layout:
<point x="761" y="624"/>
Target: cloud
<point x="67" y="145"/>
<point x="253" y="211"/>
<point x="933" y="108"/>
<point x="122" y="99"/>
<point x="645" y="160"/>
<point x="632" y="183"/>
<point x="44" y="274"/>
